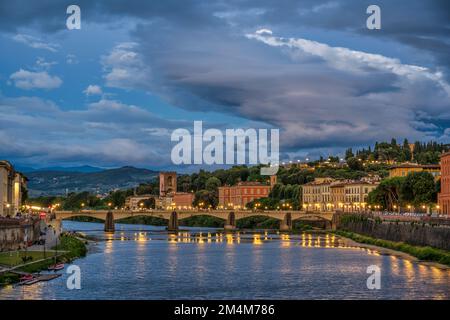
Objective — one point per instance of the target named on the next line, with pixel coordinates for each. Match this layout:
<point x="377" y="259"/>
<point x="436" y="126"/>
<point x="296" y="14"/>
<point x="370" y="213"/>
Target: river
<point x="145" y="262"/>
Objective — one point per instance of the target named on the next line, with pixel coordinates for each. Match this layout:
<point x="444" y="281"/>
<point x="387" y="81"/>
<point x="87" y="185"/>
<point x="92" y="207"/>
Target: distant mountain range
<point x="85" y="169"/>
<point x="58" y="180"/>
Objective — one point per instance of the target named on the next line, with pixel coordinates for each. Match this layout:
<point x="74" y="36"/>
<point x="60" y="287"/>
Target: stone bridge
<point x="230" y="216"/>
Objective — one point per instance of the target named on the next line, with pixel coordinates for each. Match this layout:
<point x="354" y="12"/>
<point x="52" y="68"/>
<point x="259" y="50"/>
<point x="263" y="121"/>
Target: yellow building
<point x="317" y="195"/>
<point x="402" y="170"/>
<point x="11" y="184"/>
<point x="326" y="194"/>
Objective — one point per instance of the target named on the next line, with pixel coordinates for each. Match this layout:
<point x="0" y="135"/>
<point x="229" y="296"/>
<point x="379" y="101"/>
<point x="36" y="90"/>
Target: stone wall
<point x="12" y="233"/>
<point x="415" y="233"/>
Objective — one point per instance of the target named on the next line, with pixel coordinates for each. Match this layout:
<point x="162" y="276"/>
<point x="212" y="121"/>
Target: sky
<point x="111" y="93"/>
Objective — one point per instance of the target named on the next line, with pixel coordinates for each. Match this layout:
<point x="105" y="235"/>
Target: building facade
<point x="167" y="183"/>
<point x="168" y="196"/>
<point x="444" y="195"/>
<point x="134" y="202"/>
<point x="317" y="195"/>
<point x="12" y="184"/>
<point x="402" y="170"/>
<point x="244" y="192"/>
<point x="326" y="194"/>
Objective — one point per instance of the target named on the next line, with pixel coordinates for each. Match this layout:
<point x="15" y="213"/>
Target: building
<point x="167" y="183"/>
<point x="317" y="195"/>
<point x="242" y="193"/>
<point x="402" y="170"/>
<point x="356" y="195"/>
<point x="134" y="202"/>
<point x="444" y="195"/>
<point x="183" y="200"/>
<point x="12" y="184"/>
<point x="326" y="194"/>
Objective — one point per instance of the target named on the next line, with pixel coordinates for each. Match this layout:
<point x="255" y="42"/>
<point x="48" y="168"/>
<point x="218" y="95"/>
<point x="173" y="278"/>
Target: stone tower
<point x="167" y="183"/>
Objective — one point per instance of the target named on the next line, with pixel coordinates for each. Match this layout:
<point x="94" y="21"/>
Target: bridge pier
<point x="230" y="224"/>
<point x="173" y="222"/>
<point x="109" y="222"/>
<point x="286" y="223"/>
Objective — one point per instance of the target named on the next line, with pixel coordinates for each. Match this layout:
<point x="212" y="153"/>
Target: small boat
<point x="27" y="277"/>
<point x="30" y="282"/>
<point x="56" y="267"/>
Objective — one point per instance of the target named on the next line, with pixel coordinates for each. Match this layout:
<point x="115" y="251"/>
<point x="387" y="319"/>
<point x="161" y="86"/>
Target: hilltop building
<point x="12" y="184"/>
<point x="402" y="170"/>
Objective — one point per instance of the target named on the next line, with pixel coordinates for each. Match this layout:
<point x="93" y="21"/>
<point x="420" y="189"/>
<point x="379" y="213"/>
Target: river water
<point x="145" y="262"/>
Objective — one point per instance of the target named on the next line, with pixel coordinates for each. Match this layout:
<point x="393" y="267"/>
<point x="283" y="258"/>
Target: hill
<point x="85" y="169"/>
<point x="55" y="182"/>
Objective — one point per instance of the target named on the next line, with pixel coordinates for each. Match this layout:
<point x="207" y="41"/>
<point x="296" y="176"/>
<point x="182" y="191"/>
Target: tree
<point x="406" y="151"/>
<point x="147" y="203"/>
<point x="387" y="194"/>
<point x="144" y="189"/>
<point x="212" y="184"/>
<point x="355" y="164"/>
<point x="419" y="188"/>
<point x="206" y="197"/>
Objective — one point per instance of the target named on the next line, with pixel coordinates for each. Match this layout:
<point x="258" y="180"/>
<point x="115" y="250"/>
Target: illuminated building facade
<point x="444" y="195"/>
<point x="326" y="194"/>
<point x="244" y="192"/>
<point x="12" y="184"/>
<point x="402" y="170"/>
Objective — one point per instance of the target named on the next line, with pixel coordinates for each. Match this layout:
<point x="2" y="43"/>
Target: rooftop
<point x="416" y="165"/>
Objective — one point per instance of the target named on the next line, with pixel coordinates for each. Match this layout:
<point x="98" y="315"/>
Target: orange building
<point x="444" y="195"/>
<point x="402" y="170"/>
<point x="242" y="193"/>
<point x="183" y="199"/>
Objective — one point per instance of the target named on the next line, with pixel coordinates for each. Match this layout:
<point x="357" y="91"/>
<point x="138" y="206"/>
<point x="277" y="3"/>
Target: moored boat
<point x="56" y="267"/>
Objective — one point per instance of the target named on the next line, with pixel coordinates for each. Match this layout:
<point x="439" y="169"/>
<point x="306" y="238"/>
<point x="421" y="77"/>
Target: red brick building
<point x="444" y="195"/>
<point x="242" y="193"/>
<point x="183" y="199"/>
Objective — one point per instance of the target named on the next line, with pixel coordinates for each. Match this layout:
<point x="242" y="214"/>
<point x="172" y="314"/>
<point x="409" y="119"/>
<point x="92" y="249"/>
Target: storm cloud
<point x="310" y="68"/>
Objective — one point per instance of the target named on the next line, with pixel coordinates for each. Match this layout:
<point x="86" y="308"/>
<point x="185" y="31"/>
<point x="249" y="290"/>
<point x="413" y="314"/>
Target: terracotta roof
<point x="415" y="165"/>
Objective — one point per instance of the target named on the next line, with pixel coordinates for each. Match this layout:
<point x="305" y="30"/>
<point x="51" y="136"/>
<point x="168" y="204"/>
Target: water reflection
<point x="209" y="263"/>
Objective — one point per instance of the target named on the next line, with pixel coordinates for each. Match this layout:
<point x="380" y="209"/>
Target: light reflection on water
<point x="145" y="262"/>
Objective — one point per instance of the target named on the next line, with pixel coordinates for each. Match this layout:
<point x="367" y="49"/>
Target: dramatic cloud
<point x="125" y="68"/>
<point x="319" y="95"/>
<point x="35" y="80"/>
<point x="106" y="133"/>
<point x="310" y="68"/>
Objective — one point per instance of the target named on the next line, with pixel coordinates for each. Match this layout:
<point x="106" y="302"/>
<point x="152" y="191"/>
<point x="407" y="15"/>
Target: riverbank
<point x="428" y="255"/>
<point x="70" y="247"/>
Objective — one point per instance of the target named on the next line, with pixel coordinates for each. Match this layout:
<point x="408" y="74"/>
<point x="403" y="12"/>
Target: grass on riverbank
<point x="69" y="248"/>
<point x="75" y="247"/>
<point x="14" y="258"/>
<point x="422" y="253"/>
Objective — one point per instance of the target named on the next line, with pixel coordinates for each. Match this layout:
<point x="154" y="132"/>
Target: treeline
<point x="420" y="152"/>
<point x="281" y="197"/>
<point x="416" y="190"/>
<point x="205" y="184"/>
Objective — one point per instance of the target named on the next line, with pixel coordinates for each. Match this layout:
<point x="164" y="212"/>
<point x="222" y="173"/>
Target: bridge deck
<point x="182" y="214"/>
